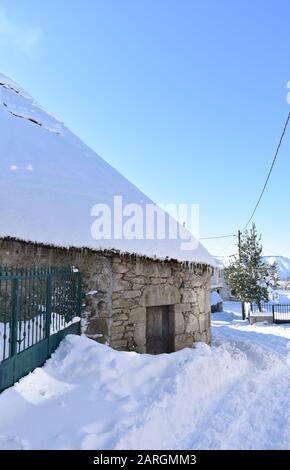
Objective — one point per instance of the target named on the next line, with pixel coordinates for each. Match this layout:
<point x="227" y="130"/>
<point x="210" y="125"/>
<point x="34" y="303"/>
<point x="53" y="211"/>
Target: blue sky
<point x="187" y="98"/>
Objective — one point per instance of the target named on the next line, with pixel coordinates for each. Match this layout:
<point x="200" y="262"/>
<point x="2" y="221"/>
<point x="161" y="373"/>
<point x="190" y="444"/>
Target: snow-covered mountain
<point x="50" y="180"/>
<point x="283" y="265"/>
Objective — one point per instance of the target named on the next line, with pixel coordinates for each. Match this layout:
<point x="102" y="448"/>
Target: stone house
<point x="132" y="303"/>
<point x="218" y="282"/>
<point x="145" y="291"/>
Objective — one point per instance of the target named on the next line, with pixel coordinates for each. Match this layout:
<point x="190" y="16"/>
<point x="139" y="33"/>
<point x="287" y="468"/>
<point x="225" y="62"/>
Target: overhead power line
<point x="221" y="236"/>
<point x="269" y="174"/>
<point x="275" y="253"/>
<point x="261" y="194"/>
<point x="229" y="245"/>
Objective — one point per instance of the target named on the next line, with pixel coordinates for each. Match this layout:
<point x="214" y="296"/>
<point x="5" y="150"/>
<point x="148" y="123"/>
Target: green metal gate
<point x="38" y="307"/>
<point x="279" y="312"/>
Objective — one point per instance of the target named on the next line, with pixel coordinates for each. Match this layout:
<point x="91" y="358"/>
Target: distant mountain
<point x="283" y="265"/>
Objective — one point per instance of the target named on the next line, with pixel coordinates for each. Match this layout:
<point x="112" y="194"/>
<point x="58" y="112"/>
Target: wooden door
<point x="159" y="330"/>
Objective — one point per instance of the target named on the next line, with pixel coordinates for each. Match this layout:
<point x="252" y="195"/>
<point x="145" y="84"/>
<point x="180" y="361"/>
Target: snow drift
<point x="89" y="396"/>
<point x="234" y="395"/>
<point x="50" y="180"/>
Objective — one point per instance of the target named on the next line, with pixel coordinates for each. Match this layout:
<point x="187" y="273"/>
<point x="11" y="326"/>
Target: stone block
<point x="117" y="336"/>
<point x="201" y="300"/>
<point x="183" y="341"/>
<point x="160" y="295"/>
<point x="203" y="323"/>
<point x="140" y="334"/>
<point x="123" y="304"/>
<point x="197" y="337"/>
<point x="179" y="323"/>
<point x="191" y="324"/>
<point x="121" y="268"/>
<point x="120" y="344"/>
<point x="120" y="285"/>
<point x="137" y="315"/>
<point x="184" y="308"/>
<point x="189" y="296"/>
<point x="119" y="317"/>
<point x="152" y="269"/>
<point x="97" y="326"/>
<point x="131" y="294"/>
<point x="115" y="330"/>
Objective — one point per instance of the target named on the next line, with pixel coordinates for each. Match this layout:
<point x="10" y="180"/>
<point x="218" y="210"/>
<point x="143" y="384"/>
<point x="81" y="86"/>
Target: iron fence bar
<point x="32" y="300"/>
<point x="48" y="308"/>
<point x="13" y="323"/>
<point x="79" y="296"/>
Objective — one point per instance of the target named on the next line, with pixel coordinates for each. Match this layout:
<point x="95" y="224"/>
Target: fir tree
<point x="248" y="275"/>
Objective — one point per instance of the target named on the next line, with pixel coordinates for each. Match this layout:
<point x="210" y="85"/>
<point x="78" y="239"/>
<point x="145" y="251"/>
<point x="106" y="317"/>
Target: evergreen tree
<point x="273" y="276"/>
<point x="248" y="275"/>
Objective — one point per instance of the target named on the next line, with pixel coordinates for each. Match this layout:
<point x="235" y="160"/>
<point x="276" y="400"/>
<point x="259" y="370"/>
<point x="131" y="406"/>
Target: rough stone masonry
<point x="119" y="289"/>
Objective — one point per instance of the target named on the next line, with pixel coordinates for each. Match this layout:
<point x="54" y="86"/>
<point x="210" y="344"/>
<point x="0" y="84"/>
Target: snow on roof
<point x="215" y="298"/>
<point x="50" y="180"/>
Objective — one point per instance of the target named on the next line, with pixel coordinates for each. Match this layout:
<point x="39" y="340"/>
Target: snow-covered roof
<point x="215" y="298"/>
<point x="50" y="180"/>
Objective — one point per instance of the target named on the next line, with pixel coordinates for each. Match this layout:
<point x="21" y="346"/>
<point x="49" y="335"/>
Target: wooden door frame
<point x="168" y="323"/>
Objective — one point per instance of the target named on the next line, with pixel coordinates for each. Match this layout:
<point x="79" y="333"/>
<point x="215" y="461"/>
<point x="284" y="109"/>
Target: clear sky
<point x="187" y="98"/>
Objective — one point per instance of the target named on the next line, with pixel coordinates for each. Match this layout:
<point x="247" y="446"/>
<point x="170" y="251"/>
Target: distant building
<point x="216" y="302"/>
<point x="218" y="282"/>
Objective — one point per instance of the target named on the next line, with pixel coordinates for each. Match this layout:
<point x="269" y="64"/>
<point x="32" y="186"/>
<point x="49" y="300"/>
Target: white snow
<point x="34" y="331"/>
<point x="278" y="297"/>
<point x="235" y="395"/>
<point x="53" y="203"/>
<point x="92" y="292"/>
<point x="283" y="297"/>
<point x="283" y="265"/>
<point x="215" y="298"/>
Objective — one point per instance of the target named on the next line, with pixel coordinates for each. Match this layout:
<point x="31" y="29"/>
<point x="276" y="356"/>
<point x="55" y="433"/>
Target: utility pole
<point x="240" y="258"/>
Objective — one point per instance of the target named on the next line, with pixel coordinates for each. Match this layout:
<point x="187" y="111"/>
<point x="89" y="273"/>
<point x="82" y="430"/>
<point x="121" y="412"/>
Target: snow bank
<point x="48" y="174"/>
<point x="235" y="395"/>
<point x="104" y="399"/>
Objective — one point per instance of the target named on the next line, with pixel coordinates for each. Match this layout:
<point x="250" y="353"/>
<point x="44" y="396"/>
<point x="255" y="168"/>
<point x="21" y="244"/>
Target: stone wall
<point x="120" y="288"/>
<point x="96" y="270"/>
<point x="139" y="283"/>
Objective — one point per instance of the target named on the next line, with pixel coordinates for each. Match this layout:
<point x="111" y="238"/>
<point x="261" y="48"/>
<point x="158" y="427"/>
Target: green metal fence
<point x="279" y="312"/>
<point x="38" y="307"/>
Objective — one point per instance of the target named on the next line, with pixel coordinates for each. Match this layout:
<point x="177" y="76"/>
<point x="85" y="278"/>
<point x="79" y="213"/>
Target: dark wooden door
<point x="159" y="330"/>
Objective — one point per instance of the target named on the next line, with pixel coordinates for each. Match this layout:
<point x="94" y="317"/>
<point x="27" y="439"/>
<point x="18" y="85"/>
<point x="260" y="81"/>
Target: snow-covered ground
<point x="235" y="395"/>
